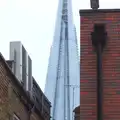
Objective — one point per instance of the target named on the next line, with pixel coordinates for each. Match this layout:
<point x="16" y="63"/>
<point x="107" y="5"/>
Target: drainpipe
<point x="99" y="82"/>
<point x="99" y="37"/>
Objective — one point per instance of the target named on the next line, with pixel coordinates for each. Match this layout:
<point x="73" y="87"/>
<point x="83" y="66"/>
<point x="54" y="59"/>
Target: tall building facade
<point x="99" y="74"/>
<point x="62" y="82"/>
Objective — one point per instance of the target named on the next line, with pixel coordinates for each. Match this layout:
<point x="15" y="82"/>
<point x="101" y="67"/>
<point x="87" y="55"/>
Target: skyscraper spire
<point x="63" y="69"/>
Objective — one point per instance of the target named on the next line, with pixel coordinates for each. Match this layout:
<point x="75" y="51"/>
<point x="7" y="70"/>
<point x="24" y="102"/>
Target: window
<point x="15" y="117"/>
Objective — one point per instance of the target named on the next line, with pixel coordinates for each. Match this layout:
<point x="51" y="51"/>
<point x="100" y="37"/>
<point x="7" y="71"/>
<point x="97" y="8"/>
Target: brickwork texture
<point x="10" y="102"/>
<point x="110" y="66"/>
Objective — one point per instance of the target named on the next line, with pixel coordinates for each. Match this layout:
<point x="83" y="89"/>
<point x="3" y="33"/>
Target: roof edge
<point x="41" y="91"/>
<point x="83" y="12"/>
<point x="30" y="101"/>
<point x="16" y="80"/>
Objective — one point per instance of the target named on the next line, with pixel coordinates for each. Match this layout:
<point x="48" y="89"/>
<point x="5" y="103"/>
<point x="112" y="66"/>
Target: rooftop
<point x="28" y="101"/>
<point x="89" y="11"/>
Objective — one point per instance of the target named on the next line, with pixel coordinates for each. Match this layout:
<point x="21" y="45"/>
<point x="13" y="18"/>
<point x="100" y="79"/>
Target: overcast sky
<point x="32" y="22"/>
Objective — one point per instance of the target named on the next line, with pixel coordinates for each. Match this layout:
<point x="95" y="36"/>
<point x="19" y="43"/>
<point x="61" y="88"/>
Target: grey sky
<point x="32" y="22"/>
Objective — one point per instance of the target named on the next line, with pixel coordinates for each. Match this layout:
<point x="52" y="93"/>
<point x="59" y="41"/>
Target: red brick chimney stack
<point x="110" y="19"/>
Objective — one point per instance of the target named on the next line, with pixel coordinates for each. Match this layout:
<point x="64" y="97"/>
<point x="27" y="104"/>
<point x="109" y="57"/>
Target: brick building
<point x="110" y="19"/>
<point x="15" y="103"/>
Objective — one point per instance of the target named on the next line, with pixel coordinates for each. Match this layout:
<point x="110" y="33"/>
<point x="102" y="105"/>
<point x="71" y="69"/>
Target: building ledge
<point x="84" y="12"/>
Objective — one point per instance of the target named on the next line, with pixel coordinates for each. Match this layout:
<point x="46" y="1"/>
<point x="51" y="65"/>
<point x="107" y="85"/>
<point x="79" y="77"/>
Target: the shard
<point x="63" y="80"/>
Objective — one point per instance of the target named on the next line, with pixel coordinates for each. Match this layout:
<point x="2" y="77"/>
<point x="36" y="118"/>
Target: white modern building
<point x="63" y="81"/>
<point x="22" y="67"/>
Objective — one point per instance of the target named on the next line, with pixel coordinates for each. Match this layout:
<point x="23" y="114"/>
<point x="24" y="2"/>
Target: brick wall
<point x="10" y="99"/>
<point x="4" y="82"/>
<point x="110" y="61"/>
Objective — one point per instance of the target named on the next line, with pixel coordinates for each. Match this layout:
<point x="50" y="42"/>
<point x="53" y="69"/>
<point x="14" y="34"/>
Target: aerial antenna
<point x="94" y="4"/>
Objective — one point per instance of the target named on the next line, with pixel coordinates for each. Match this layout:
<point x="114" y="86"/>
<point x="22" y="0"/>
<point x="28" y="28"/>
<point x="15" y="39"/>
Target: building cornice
<point x="84" y="12"/>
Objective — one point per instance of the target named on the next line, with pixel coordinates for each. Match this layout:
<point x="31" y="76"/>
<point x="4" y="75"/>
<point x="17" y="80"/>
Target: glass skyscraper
<point x="63" y="77"/>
